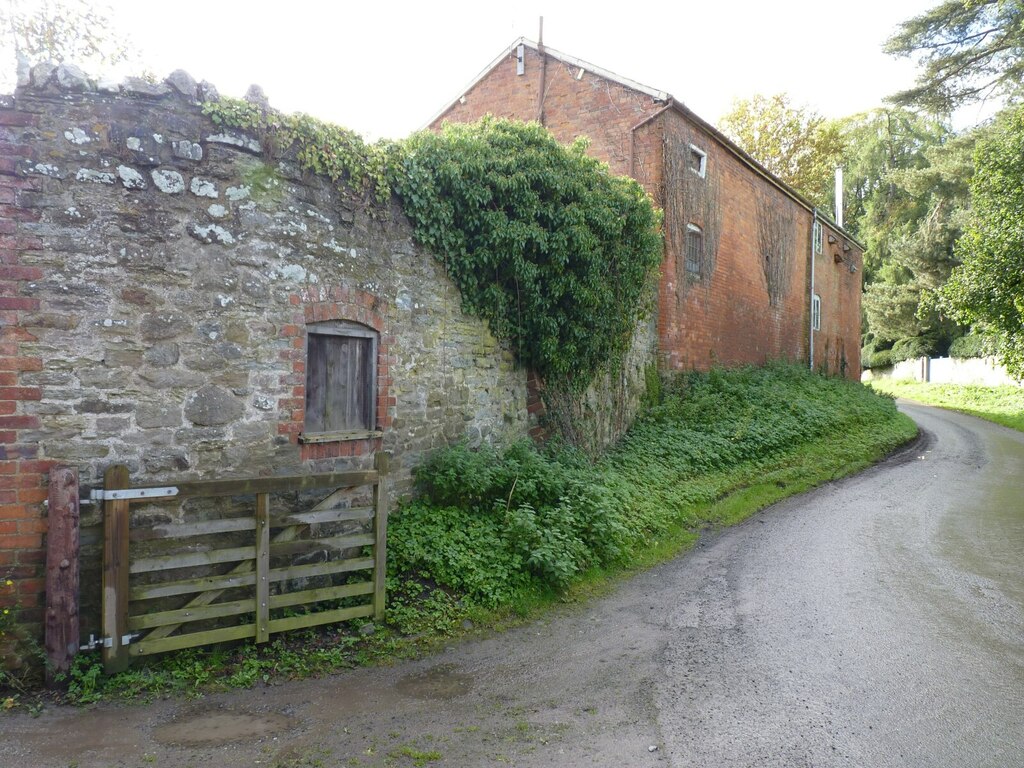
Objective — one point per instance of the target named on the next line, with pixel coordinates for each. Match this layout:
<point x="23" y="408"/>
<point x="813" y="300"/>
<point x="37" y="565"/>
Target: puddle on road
<point x="437" y="683"/>
<point x="212" y="728"/>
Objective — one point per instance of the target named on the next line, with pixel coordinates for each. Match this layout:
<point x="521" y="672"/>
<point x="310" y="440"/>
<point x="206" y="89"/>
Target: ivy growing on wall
<point x="690" y="199"/>
<point x="555" y="252"/>
<point x="320" y="147"/>
<point x="775" y="238"/>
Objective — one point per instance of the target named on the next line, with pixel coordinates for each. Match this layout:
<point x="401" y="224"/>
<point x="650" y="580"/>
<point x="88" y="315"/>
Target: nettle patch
<point x="543" y="242"/>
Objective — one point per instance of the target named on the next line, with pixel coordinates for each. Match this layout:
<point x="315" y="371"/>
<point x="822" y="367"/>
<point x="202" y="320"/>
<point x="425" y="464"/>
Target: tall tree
<point x="795" y="143"/>
<point x="968" y="50"/>
<point x="987" y="289"/>
<point x="877" y="147"/>
<point x="74" y="31"/>
<point x="907" y="181"/>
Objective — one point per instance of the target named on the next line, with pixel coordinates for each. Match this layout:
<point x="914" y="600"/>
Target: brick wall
<point x="727" y="318"/>
<point x="23" y="474"/>
<point x="837" y="280"/>
<point x="589" y="106"/>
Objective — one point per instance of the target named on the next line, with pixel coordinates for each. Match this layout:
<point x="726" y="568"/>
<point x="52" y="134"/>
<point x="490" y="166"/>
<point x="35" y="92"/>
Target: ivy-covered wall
<point x="158" y="273"/>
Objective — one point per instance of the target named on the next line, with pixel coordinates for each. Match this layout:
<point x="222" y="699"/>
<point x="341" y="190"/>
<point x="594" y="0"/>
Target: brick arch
<point x="321" y="304"/>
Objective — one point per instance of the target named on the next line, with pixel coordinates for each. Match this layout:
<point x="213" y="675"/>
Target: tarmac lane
<point x="876" y="621"/>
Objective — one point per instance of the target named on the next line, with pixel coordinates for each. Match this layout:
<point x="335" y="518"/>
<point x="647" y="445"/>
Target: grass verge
<point x="1002" y="405"/>
<point x="498" y="536"/>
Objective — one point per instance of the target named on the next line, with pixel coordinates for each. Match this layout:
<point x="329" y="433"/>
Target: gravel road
<point x="877" y="621"/>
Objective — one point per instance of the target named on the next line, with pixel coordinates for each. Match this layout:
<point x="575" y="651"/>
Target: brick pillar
<point x="23" y="476"/>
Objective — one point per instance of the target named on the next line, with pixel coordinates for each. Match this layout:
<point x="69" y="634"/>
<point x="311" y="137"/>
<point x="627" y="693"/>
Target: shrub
<point x="912" y="348"/>
<point x="490" y="523"/>
<point x="971" y="345"/>
<point x="554" y="251"/>
<point x="880" y="359"/>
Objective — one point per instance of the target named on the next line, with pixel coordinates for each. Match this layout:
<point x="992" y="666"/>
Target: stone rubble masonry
<point x="727" y="320"/>
<point x="157" y="274"/>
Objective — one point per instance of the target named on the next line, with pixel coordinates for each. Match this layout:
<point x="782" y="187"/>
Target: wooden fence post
<point x="62" y="547"/>
<point x="381" y="463"/>
<point x="262" y="567"/>
<point x="115" y="572"/>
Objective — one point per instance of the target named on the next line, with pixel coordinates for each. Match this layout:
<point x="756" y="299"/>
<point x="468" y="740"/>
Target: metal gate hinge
<point x="96" y="642"/>
<point x="99" y="494"/>
<point x="107" y="642"/>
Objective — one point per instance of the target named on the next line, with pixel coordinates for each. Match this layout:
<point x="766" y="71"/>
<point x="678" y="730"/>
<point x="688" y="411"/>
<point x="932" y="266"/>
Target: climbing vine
<point x="775" y="238"/>
<point x="690" y="199"/>
<point x="543" y="242"/>
<point x="554" y="251"/>
<point x="320" y="147"/>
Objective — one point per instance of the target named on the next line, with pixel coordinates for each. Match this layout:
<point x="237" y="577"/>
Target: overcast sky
<point x="385" y="68"/>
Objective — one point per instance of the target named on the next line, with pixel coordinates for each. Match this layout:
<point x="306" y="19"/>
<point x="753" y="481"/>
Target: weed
<point x="418" y="757"/>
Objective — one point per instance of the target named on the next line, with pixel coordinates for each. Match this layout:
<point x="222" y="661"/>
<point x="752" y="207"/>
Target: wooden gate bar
<point x="201" y="620"/>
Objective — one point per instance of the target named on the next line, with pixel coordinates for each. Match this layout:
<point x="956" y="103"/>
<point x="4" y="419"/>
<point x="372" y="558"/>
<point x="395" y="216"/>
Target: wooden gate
<point x="181" y="582"/>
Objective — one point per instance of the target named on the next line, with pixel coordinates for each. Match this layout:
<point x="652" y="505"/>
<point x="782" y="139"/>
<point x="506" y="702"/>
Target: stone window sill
<point x="337" y="437"/>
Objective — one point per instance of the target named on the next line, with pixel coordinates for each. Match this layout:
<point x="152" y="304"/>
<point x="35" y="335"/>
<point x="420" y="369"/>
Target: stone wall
<point x="981" y="371"/>
<point x="157" y="275"/>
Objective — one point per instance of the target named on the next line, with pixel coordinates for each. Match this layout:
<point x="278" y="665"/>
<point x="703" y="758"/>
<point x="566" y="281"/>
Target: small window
<point x="816" y="312"/>
<point x="817" y="237"/>
<point x="341" y="380"/>
<point x="698" y="160"/>
<point x="694" y="249"/>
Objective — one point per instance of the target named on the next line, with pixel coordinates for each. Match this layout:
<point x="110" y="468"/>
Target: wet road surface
<point x="877" y="621"/>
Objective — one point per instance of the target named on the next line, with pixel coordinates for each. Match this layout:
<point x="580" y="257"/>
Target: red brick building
<point x="752" y="271"/>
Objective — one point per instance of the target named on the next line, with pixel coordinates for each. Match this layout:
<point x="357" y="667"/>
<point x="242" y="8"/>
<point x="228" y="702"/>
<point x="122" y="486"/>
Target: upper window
<point x="816" y="312"/>
<point x="341" y="380"/>
<point x="694" y="249"/>
<point x="817" y="237"/>
<point x="698" y="160"/>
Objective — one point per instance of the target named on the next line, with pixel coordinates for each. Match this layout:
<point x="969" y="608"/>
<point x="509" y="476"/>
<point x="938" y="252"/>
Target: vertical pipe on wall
<point x="839" y="196"/>
<point x="543" y="74"/>
<point x="810" y="298"/>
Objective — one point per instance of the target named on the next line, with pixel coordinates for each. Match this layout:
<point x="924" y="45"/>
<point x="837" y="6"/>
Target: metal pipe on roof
<point x="635" y="128"/>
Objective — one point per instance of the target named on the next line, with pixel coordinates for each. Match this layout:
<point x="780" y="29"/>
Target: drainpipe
<point x="810" y="303"/>
<point x="632" y="135"/>
<point x="543" y="73"/>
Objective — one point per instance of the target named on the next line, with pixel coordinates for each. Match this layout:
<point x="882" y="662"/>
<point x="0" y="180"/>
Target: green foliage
<point x="490" y="525"/>
<point x="499" y="531"/>
<point x="971" y="345"/>
<point x="969" y="50"/>
<point x="881" y="358"/>
<point x="795" y="143"/>
<point x="987" y="290"/>
<point x="555" y="252"/>
<point x="319" y="147"/>
<point x="913" y="348"/>
<point x="907" y="188"/>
